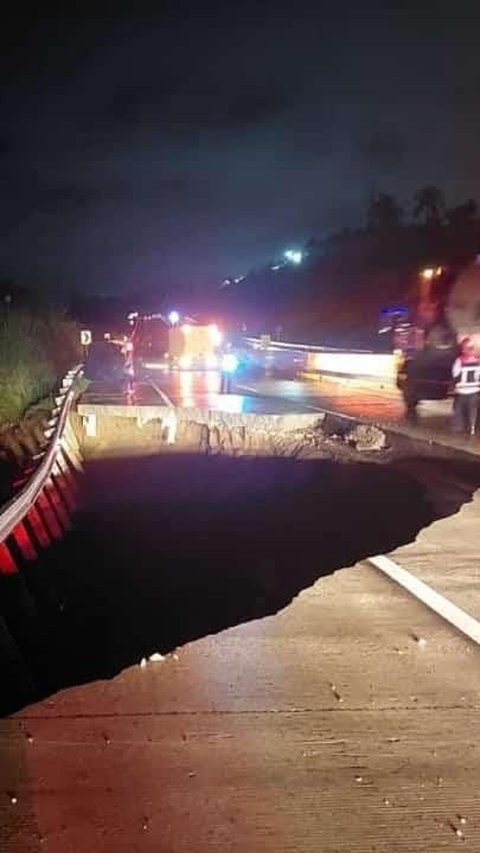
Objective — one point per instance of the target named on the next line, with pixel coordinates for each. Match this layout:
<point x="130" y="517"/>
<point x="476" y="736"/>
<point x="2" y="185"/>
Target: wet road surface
<point x="192" y="389"/>
<point x="381" y="406"/>
<point x="255" y="392"/>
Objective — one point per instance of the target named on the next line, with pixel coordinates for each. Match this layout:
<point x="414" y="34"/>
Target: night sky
<point x="141" y="148"/>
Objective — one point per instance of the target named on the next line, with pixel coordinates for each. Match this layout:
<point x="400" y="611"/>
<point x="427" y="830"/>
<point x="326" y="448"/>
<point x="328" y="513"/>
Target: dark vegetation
<point x="336" y="294"/>
<point x="38" y="343"/>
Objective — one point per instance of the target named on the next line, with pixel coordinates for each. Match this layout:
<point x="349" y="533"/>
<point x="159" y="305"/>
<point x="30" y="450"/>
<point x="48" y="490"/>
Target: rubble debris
<point x="366" y="437"/>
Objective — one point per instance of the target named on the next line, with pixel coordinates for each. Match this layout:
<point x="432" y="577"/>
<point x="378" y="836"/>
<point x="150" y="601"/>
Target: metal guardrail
<point x="262" y="344"/>
<point x="347" y="364"/>
<point x="16" y="510"/>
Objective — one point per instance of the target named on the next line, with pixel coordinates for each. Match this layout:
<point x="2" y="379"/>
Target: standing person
<point x="466" y="373"/>
<point x="128" y="368"/>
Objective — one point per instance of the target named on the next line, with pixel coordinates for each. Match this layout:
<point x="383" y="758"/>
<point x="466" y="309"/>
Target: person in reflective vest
<point x="466" y="373"/>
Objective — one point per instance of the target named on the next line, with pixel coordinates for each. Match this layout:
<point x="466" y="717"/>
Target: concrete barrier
<point x="360" y="365"/>
<point x="380" y="368"/>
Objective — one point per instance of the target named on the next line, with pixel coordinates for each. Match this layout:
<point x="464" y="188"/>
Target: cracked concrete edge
<point x="288" y="422"/>
<point x="401" y="430"/>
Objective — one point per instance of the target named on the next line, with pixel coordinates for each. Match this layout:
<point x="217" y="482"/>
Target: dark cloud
<point x="62" y="197"/>
<point x="135" y="101"/>
<point x="7" y="144"/>
<point x="29" y="192"/>
<point x="198" y="140"/>
<point x="257" y="105"/>
<point x="170" y="105"/>
<point x="383" y="146"/>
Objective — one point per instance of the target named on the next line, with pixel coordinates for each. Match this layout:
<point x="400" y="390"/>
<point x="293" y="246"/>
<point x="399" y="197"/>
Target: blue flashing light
<point x="394" y="309"/>
<point x="229" y="362"/>
<point x="173" y="318"/>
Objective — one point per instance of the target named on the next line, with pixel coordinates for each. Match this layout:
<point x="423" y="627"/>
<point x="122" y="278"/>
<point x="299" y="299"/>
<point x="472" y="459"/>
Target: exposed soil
<point x="18" y="445"/>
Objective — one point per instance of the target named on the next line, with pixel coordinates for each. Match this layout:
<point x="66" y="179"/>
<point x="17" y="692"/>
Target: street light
<point x="428" y="273"/>
<point x="173" y="318"/>
<point x="431" y="272"/>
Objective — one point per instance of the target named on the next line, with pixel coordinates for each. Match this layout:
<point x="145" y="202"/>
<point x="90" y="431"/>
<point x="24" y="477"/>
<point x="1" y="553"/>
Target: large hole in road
<point x="172" y="546"/>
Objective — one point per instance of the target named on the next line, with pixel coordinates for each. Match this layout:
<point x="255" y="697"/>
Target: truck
<point x="195" y="346"/>
<point x="185" y="345"/>
<point x="446" y="310"/>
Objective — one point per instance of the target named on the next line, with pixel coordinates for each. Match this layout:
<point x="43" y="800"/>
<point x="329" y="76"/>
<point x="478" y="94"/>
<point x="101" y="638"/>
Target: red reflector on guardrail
<point x="7" y="563"/>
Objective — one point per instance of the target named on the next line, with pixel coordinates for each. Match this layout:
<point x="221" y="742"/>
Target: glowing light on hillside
<point x="294" y="256"/>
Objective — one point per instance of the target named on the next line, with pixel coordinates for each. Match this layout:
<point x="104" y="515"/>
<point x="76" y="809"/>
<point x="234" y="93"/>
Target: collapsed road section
<point x="192" y="521"/>
<point x="201" y="577"/>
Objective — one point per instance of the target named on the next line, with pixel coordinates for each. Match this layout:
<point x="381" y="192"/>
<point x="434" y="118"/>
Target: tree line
<point x="349" y="275"/>
<point x="429" y="208"/>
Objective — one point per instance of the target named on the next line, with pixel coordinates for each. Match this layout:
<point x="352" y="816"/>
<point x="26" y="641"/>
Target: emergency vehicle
<point x="159" y="344"/>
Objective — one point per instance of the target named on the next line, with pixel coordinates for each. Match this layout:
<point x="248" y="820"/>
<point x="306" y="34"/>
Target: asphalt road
<point x="191" y="389"/>
<point x="345" y="723"/>
<point x="380" y="405"/>
<point x="253" y="391"/>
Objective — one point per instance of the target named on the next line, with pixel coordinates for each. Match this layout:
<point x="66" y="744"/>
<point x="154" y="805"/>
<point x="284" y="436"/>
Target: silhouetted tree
<point x="383" y="213"/>
<point x="429" y="205"/>
<point x="462" y="215"/>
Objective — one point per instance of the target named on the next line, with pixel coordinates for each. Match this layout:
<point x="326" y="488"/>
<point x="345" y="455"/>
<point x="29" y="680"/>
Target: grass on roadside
<point x="35" y="349"/>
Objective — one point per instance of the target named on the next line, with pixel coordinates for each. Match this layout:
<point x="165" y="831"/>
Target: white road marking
<point x="247" y="388"/>
<point x="171" y="421"/>
<point x="460" y="619"/>
<point x="161" y="393"/>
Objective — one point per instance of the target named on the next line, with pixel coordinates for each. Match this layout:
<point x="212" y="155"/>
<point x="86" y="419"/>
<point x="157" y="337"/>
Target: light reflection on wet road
<point x="190" y="389"/>
<point x="254" y="392"/>
<point x="383" y="406"/>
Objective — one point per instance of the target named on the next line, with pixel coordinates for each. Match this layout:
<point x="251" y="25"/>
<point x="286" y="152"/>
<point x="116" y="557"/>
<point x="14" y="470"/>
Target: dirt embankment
<point x="18" y="445"/>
